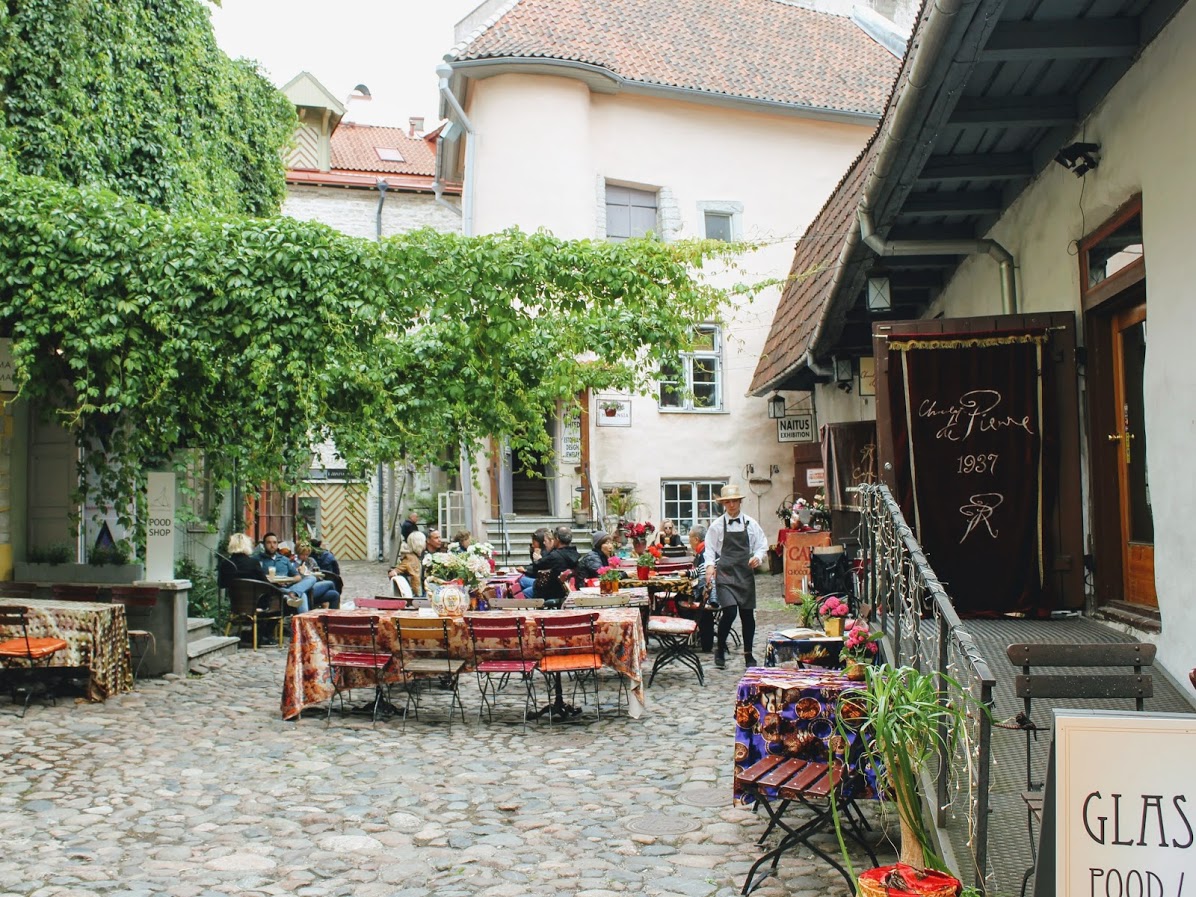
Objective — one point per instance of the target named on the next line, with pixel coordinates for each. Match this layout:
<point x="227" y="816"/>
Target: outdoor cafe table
<point x="307" y="683"/>
<point x="96" y="636"/>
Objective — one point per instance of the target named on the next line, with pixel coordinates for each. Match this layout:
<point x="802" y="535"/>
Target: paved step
<point x="199" y="628"/>
<point x="519" y="534"/>
<point x="210" y="647"/>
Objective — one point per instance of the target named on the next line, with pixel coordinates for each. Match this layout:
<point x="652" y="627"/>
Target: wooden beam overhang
<point x="963" y="202"/>
<point x="983" y="166"/>
<point x="1007" y="112"/>
<point x="1081" y="39"/>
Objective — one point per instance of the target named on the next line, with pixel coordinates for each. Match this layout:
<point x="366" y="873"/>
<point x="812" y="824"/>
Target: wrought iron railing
<point x="922" y="630"/>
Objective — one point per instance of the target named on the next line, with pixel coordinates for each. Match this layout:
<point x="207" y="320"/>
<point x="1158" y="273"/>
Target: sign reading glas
<point x="798" y="428"/>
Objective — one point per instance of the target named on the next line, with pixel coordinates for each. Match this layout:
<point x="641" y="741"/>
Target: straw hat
<point x="729" y="492"/>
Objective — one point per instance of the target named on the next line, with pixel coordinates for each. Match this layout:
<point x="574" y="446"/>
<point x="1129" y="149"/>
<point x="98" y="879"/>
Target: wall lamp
<point x="1079" y="158"/>
<point x="777" y="408"/>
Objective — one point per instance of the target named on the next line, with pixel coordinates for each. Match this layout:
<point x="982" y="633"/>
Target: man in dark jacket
<point x="546" y="572"/>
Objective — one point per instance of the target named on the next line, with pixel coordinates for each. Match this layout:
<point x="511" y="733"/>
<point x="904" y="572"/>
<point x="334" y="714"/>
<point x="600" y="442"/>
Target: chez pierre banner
<point x="972" y="444"/>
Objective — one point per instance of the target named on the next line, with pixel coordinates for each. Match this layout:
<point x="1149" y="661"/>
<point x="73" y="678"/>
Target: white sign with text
<point x="1125" y="799"/>
<point x="798" y="428"/>
<point x="159" y="530"/>
<point x="8" y="373"/>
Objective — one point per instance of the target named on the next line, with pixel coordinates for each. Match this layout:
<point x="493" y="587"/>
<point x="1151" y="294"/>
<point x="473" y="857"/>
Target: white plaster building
<point x="1098" y="260"/>
<point x="658" y="116"/>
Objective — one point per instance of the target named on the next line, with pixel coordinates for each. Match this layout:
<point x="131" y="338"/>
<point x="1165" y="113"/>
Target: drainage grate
<point x="660" y="824"/>
<point x="705" y="797"/>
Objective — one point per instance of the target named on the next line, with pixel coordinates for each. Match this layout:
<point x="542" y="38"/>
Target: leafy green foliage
<point x="251" y="339"/>
<point x="136" y="96"/>
<point x="204" y="598"/>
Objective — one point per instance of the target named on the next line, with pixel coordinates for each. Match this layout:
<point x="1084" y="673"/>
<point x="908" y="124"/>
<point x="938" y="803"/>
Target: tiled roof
<point x="355" y="148"/>
<point x="755" y="49"/>
<point x="815" y="262"/>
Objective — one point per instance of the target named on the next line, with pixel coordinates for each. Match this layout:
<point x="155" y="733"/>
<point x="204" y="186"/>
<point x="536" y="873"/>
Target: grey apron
<point x="733" y="579"/>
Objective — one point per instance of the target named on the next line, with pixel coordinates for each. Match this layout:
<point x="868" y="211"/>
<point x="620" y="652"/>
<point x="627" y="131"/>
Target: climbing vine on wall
<point x="252" y="338"/>
<point x="136" y="96"/>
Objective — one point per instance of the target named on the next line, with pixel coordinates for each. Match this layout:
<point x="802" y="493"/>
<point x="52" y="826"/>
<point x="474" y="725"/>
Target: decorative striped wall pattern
<point x="305" y="152"/>
<point x="343" y="508"/>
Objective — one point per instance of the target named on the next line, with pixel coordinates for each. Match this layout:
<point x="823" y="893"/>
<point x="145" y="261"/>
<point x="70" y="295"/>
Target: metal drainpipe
<point x="382" y="186"/>
<point x="438" y="185"/>
<point x="946" y="247"/>
<point x="445" y="71"/>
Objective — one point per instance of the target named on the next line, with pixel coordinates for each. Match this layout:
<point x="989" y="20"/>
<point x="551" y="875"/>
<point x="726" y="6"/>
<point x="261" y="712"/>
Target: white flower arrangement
<point x="470" y="568"/>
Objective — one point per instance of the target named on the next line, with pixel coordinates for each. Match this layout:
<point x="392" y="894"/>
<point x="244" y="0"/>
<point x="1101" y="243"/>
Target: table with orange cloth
<point x="619" y="636"/>
<point x="96" y="636"/>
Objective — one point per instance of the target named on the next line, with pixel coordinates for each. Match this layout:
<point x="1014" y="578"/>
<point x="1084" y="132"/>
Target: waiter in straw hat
<point x="735" y="547"/>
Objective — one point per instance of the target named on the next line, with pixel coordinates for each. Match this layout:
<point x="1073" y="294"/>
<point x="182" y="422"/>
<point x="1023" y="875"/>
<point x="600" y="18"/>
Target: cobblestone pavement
<point x="192" y="787"/>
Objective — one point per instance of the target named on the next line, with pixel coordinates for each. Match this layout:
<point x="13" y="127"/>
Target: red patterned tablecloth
<point x="96" y="636"/>
<point x="620" y="638"/>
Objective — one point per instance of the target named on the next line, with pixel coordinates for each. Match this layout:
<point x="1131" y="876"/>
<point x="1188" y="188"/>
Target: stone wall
<point x="354" y="211"/>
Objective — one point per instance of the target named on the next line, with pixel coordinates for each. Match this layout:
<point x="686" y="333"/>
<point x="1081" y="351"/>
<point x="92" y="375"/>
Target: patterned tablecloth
<point x="96" y="636"/>
<point x="814" y="651"/>
<point x="791" y="713"/>
<point x="620" y="642"/>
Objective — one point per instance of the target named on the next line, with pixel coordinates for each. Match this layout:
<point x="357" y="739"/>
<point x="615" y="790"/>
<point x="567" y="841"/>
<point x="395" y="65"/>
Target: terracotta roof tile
<point x="812" y="274"/>
<point x="355" y="148"/>
<point x="756" y="49"/>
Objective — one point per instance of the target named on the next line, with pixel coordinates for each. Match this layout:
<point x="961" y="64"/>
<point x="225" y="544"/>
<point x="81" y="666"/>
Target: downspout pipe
<point x="445" y="71"/>
<point x="438" y="185"/>
<point x="946" y="247"/>
<point x="382" y="186"/>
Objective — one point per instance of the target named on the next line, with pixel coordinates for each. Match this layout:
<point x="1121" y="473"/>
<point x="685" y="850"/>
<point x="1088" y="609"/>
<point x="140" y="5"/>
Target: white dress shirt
<point x="757" y="542"/>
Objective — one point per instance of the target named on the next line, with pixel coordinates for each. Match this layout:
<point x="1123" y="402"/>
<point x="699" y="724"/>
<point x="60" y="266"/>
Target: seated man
<point x="325" y="558"/>
<point x="542" y="579"/>
<point x="297" y="592"/>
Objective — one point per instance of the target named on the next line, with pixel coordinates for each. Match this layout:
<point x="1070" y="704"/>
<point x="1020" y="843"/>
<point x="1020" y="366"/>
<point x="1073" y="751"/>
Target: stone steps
<point x="203" y="644"/>
<point x="519" y="535"/>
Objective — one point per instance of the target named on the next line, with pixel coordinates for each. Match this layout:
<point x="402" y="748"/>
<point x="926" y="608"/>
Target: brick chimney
<point x="416" y="123"/>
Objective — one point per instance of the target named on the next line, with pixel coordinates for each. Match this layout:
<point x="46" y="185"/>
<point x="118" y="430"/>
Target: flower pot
<point x="833" y="627"/>
<point x="610" y="412"/>
<point x="900" y="880"/>
<point x="642" y="573"/>
<point x="855" y="671"/>
<point x="608" y="586"/>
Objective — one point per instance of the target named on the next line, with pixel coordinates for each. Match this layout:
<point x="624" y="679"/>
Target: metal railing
<point x="924" y="631"/>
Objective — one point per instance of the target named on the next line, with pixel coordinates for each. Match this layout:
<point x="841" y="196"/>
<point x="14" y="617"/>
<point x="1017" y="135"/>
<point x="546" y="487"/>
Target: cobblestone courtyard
<point x="190" y="787"/>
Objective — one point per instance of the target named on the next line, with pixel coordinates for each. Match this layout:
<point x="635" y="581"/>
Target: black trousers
<point x="727" y="620"/>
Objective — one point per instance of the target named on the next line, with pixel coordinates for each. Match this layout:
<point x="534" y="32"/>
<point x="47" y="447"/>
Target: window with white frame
<point x="718" y="226"/>
<point x="721" y="219"/>
<point x="697" y="385"/>
<point x="687" y="502"/>
<point x="629" y="212"/>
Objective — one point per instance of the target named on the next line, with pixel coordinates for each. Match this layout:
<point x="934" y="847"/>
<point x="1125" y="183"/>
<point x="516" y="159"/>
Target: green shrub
<point x="204" y="600"/>
<point x="54" y="554"/>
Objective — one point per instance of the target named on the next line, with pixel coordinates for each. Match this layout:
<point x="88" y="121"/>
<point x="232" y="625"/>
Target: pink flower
<point x="834" y="607"/>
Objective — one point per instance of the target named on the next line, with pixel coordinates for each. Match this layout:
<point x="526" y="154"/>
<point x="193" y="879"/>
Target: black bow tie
<point x="732" y="520"/>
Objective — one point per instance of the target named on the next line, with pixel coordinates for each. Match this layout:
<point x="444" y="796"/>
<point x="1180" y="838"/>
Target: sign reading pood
<point x="1125" y="798"/>
<point x="799" y="428"/>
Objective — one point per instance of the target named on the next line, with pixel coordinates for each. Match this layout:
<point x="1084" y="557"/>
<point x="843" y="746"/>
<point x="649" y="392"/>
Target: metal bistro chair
<point x="676" y="637"/>
<point x="25" y="661"/>
<point x="138" y="601"/>
<point x="352" y="644"/>
<point x="569" y="647"/>
<point x="425" y="662"/>
<point x="1029" y="685"/>
<point x="252" y="601"/>
<point x="18" y="590"/>
<point x="498" y="654"/>
<point x="518" y="603"/>
<point x="381" y="603"/>
<point x="62" y="591"/>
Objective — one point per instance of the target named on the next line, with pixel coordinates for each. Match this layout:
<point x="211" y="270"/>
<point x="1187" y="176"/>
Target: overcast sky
<point x="391" y="46"/>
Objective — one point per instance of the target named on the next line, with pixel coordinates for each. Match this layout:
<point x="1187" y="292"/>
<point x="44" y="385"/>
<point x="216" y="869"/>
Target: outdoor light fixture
<point x="879" y="297"/>
<point x="776" y="407"/>
<point x="1079" y="158"/>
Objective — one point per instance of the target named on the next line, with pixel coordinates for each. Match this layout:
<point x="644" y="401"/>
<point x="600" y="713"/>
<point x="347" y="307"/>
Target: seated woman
<point x="701" y="608"/>
<point x="410" y="565"/>
<point x="240" y="564"/>
<point x="461" y="540"/>
<point x="668" y="536"/>
<point x="598" y="557"/>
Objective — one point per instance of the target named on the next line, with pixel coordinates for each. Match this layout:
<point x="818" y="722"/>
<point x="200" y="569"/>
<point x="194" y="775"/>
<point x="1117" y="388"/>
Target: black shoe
<point x="720" y="658"/>
<point x="749" y="659"/>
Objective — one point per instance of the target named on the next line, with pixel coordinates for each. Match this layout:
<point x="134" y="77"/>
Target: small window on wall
<point x="718" y="226"/>
<point x="629" y="212"/>
<point x="688" y="502"/>
<point x="697" y="384"/>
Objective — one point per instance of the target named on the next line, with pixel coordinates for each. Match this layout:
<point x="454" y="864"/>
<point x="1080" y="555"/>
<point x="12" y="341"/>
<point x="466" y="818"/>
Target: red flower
<point x="655" y="551"/>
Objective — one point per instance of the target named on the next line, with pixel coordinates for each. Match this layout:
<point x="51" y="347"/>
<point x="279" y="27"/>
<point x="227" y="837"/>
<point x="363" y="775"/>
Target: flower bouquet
<point x="469" y="569"/>
<point x="638" y="533"/>
<point x="833" y="611"/>
<point x="860" y="646"/>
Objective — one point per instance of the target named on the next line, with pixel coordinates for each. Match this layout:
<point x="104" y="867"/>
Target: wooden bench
<point x="776" y="783"/>
<point x="1029" y="685"/>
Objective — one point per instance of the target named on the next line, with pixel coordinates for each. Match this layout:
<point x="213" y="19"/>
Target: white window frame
<point x="670" y="509"/>
<point x="687" y="404"/>
<point x="732" y="210"/>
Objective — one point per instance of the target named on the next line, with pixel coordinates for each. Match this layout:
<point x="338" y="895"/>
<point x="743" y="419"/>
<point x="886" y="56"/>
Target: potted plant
<point x="860" y="647"/>
<point x="608" y="580"/>
<point x="808" y="610"/>
<point x="902" y="725"/>
<point x="610" y="409"/>
<point x="833" y="612"/>
<point x="645" y="563"/>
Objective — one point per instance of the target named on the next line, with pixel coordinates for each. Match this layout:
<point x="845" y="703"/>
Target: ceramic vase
<point x="833" y="627"/>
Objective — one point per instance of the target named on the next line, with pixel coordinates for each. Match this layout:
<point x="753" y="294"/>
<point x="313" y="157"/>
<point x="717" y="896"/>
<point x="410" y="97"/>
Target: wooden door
<point x="1132" y="476"/>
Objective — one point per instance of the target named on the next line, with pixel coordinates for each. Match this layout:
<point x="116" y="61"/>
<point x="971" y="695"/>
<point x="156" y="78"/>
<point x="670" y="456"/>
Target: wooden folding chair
<point x="1029" y="685"/>
<point x="63" y="591"/>
<point x="518" y="603"/>
<point x="18" y="590"/>
<point x="138" y="601"/>
<point x="569" y="647"/>
<point x="426" y="663"/>
<point x="25" y="661"/>
<point x="498" y="655"/>
<point x="381" y="603"/>
<point x="352" y="644"/>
